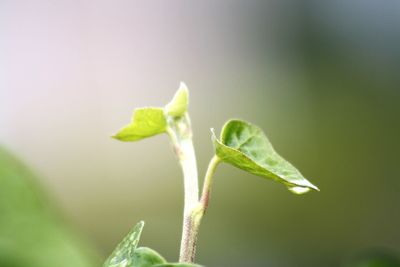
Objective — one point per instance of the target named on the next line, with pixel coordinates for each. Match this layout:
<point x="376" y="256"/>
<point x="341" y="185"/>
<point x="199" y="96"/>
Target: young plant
<point x="241" y="144"/>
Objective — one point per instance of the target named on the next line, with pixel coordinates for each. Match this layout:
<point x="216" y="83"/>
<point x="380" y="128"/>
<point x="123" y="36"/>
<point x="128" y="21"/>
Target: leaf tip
<point x="212" y="130"/>
<point x="115" y="136"/>
<point x="311" y="186"/>
<point x="213" y="135"/>
<point x="182" y="86"/>
<point x="120" y="135"/>
<point x="141" y="223"/>
<point x="179" y="103"/>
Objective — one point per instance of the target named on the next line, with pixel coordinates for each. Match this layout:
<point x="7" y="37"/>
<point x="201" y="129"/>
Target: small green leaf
<point x="146" y="122"/>
<point x="245" y="146"/>
<point x="179" y="104"/>
<point x="146" y="257"/>
<point x="123" y="255"/>
<point x="177" y="265"/>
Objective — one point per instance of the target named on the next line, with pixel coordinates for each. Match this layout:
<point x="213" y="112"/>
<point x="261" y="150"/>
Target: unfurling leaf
<point x="179" y="104"/>
<point x="145" y="122"/>
<point x="245" y="146"/>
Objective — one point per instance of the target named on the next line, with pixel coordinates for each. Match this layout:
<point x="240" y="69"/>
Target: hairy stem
<point x="180" y="133"/>
<point x="191" y="229"/>
<point x="191" y="201"/>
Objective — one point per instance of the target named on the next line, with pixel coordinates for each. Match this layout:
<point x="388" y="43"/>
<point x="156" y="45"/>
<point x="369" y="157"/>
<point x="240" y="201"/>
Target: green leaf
<point x="150" y="121"/>
<point x="128" y="255"/>
<point x="245" y="146"/>
<point x="32" y="234"/>
<point x="177" y="265"/>
<point x="179" y="104"/>
<point x="146" y="257"/>
<point x="123" y="255"/>
<point x="146" y="122"/>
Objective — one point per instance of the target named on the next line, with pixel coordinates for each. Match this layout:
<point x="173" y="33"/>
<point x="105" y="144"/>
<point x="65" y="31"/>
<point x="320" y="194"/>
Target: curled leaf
<point x="245" y="146"/>
<point x="145" y="122"/>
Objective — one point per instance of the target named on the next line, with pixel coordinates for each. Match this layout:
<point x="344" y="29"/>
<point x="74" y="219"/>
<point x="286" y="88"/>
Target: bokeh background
<point x="320" y="77"/>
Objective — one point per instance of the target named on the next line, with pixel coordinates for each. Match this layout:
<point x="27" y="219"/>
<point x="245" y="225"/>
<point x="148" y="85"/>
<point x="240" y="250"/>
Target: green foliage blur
<point x="32" y="233"/>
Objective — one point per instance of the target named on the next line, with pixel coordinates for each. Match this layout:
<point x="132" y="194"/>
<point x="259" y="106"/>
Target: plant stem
<point x="191" y="201"/>
<point x="205" y="195"/>
<point x="191" y="229"/>
<point x="189" y="169"/>
<point x="180" y="133"/>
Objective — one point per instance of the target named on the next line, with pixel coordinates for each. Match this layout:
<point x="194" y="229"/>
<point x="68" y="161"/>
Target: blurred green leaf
<point x="179" y="104"/>
<point x="146" y="122"/>
<point x="31" y="234"/>
<point x="376" y="257"/>
<point x="245" y="146"/>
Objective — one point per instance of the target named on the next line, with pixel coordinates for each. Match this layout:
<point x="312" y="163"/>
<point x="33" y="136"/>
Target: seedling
<point x="241" y="144"/>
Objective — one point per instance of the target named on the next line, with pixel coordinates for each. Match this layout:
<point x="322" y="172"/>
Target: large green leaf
<point x="179" y="104"/>
<point x="32" y="234"/>
<point x="245" y="146"/>
<point x="146" y="122"/>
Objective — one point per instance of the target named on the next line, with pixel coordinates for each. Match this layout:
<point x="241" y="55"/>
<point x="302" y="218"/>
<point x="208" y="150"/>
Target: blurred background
<point x="320" y="77"/>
